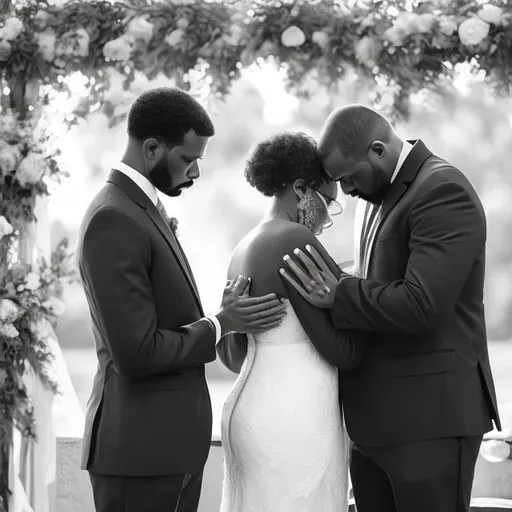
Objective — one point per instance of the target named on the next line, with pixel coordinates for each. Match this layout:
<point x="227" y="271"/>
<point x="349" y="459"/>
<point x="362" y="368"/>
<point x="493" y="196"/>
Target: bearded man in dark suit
<point x="419" y="403"/>
<point x="149" y="418"/>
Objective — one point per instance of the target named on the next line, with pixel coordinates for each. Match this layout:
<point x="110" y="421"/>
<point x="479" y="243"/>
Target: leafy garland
<point x="387" y="42"/>
<point x="402" y="46"/>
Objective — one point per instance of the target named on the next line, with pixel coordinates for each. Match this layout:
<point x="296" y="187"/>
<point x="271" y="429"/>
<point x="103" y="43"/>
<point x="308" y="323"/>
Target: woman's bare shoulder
<point x="260" y="254"/>
<point x="276" y="238"/>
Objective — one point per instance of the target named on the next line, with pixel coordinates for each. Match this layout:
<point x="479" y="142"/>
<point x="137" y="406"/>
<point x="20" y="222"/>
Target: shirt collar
<point x="142" y="182"/>
<point x="406" y="149"/>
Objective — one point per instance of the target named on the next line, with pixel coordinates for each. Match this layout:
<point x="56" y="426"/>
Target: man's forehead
<point x="194" y="144"/>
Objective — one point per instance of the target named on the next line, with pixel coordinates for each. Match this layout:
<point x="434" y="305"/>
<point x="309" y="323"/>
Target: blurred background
<point x="469" y="127"/>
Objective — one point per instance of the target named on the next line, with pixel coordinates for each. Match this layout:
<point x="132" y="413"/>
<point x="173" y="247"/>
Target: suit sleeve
<point x="340" y="347"/>
<point x="447" y="233"/>
<point x="115" y="262"/>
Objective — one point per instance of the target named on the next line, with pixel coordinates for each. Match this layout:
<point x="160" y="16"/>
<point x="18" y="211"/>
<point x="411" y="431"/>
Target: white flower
<point x="5" y="50"/>
<point x="8" y="124"/>
<point x="10" y="155"/>
<point x="9" y="312"/>
<point x="293" y="36"/>
<point x="395" y="36"/>
<point x="320" y="38"/>
<point x="5" y="228"/>
<point x="55" y="305"/>
<point x="490" y="14"/>
<point x="425" y="22"/>
<point x="140" y="28"/>
<point x="75" y="43"/>
<point x="235" y="35"/>
<point x="46" y="41"/>
<point x="473" y="30"/>
<point x="406" y="22"/>
<point x="32" y="281"/>
<point x="12" y="29"/>
<point x="31" y="169"/>
<point x="369" y="21"/>
<point x="119" y="49"/>
<point x="182" y="23"/>
<point x="175" y="37"/>
<point x="9" y="331"/>
<point x="41" y="18"/>
<point x="39" y="329"/>
<point x="367" y="51"/>
<point x="447" y="25"/>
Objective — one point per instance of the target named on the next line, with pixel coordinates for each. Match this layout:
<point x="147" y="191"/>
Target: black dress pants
<point x="173" y="493"/>
<point x="428" y="476"/>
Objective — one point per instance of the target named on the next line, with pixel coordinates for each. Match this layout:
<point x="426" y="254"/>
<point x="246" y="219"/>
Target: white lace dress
<point x="285" y="445"/>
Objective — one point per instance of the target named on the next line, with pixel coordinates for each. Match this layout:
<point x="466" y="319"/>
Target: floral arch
<point x="403" y="47"/>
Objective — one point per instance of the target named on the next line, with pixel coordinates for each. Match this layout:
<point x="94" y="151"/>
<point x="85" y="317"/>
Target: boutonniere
<point x="173" y="224"/>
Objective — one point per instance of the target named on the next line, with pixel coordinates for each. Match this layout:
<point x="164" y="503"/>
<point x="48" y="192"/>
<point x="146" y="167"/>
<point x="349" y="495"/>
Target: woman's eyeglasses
<point x="331" y="205"/>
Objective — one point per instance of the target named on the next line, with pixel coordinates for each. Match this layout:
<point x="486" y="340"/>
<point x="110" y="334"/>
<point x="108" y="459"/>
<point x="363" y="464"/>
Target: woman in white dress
<point x="285" y="444"/>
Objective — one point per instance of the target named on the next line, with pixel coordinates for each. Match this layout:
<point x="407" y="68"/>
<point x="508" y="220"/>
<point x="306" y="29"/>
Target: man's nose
<point x="194" y="171"/>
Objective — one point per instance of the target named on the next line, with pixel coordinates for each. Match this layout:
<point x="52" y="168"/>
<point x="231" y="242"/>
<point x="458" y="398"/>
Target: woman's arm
<point x="232" y="349"/>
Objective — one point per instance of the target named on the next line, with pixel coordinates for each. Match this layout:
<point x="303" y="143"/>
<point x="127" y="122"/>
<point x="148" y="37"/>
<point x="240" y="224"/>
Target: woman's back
<point x="282" y="434"/>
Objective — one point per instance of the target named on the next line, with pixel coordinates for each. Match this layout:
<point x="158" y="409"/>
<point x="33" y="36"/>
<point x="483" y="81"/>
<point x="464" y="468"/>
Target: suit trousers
<point x="434" y="475"/>
<point x="170" y="493"/>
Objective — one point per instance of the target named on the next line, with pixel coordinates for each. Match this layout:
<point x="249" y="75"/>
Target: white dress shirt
<point x="406" y="149"/>
<point x="141" y="181"/>
<point x="149" y="189"/>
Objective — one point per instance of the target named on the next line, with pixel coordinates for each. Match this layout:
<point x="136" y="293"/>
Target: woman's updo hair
<point x="278" y="161"/>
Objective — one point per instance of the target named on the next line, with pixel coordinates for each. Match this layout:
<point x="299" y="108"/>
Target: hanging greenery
<point x="78" y="49"/>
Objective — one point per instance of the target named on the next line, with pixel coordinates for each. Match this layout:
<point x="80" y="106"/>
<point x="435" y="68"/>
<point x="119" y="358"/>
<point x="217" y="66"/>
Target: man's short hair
<point x="168" y="113"/>
<point x="353" y="128"/>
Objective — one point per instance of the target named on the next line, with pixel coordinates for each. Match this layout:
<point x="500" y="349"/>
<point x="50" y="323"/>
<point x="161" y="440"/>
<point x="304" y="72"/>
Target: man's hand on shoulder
<point x="243" y="314"/>
<point x="317" y="284"/>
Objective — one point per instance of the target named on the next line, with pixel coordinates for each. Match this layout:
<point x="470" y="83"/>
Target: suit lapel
<point x="165" y="230"/>
<point x="137" y="195"/>
<point x="412" y="164"/>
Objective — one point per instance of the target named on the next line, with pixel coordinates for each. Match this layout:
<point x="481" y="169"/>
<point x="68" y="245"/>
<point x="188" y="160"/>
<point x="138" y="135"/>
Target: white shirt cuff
<point x="218" y="329"/>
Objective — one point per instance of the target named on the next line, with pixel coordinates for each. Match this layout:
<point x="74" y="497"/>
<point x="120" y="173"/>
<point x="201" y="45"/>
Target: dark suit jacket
<point x="149" y="411"/>
<point x="426" y="371"/>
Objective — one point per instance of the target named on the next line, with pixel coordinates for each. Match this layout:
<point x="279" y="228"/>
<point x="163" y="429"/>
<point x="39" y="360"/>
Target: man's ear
<point x="151" y="149"/>
<point x="377" y="149"/>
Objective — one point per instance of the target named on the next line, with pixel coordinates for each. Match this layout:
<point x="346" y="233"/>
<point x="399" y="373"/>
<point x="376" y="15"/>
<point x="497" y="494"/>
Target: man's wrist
<point x="222" y="323"/>
<point x="215" y="324"/>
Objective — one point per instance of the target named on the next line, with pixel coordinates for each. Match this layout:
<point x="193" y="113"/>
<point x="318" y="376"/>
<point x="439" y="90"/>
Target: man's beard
<point x="162" y="180"/>
<point x="381" y="185"/>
